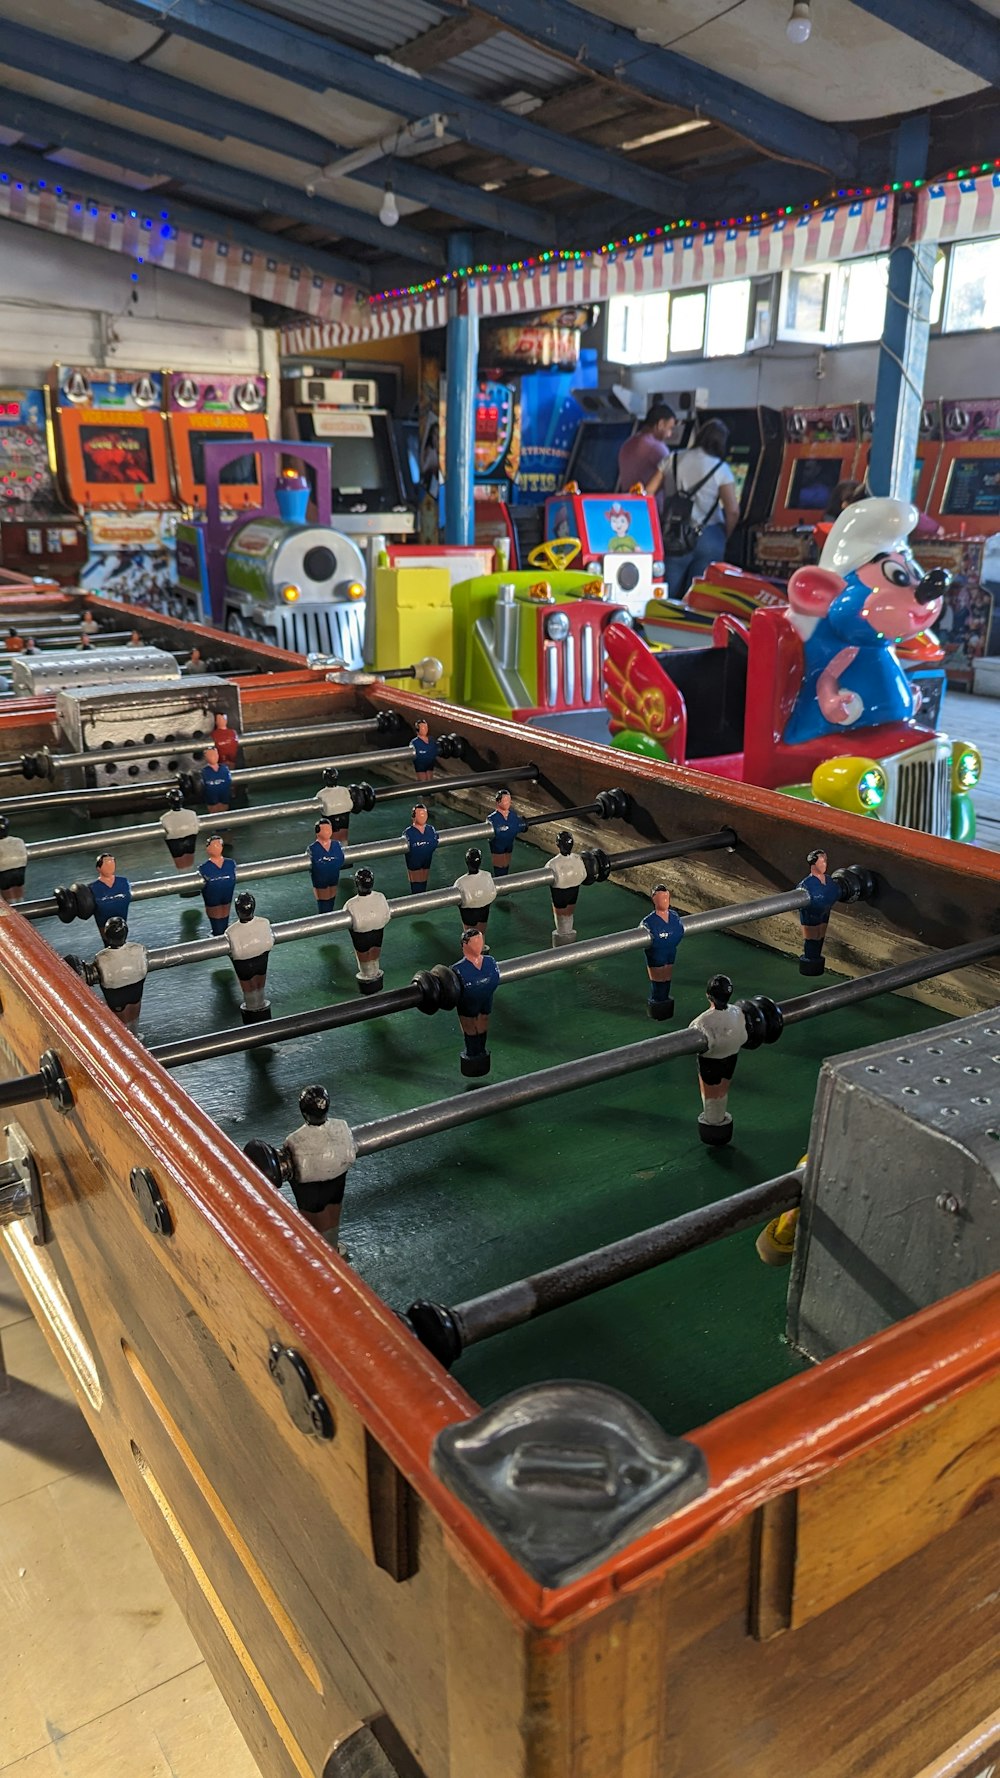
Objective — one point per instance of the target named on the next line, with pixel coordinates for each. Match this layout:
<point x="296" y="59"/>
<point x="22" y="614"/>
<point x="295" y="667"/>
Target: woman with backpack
<point x="698" y="504"/>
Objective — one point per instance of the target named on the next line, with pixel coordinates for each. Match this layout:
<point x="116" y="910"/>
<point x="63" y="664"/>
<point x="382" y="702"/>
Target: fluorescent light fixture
<point x="676" y="129"/>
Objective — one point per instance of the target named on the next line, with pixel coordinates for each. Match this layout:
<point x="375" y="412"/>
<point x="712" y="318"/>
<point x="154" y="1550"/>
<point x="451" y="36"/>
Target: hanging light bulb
<point x="389" y="215"/>
<point x="799" y="26"/>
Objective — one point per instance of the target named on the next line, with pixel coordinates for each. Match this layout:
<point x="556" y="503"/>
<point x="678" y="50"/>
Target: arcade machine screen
<point x="116" y="456"/>
<point x="973" y="489"/>
<point x="739" y="463"/>
<point x="242" y="473"/>
<point x="364" y="471"/>
<point x="814" y="481"/>
<point x="593" y="463"/>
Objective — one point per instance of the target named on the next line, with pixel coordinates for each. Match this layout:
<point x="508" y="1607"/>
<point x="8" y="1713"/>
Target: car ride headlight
<point x="857" y="785"/>
<point x="557" y="626"/>
<point x="966" y="766"/>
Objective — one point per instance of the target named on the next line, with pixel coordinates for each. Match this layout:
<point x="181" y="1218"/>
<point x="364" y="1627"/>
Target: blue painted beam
<point x="906" y="330"/>
<point x="24" y="164"/>
<point x="596" y="45"/>
<point x="461" y="361"/>
<point x="141" y="154"/>
<point x="152" y="94"/>
<point x="273" y="44"/>
<point x="958" y="30"/>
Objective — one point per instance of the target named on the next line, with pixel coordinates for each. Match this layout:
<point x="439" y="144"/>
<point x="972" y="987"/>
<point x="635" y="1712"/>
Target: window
<point x="687" y="322"/>
<point x="728" y="310"/>
<point x="862" y="305"/>
<point x="974" y="286"/>
<point x="806" y="304"/>
<point x="637" y="329"/>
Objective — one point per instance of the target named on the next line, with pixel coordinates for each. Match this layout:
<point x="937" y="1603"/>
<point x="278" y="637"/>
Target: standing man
<point x="180" y="828"/>
<point x="726" y="1029"/>
<point x="480" y="979"/>
<point x="250" y="943"/>
<point x="649" y="447"/>
<point x="815" y="917"/>
<point x="216" y="783"/>
<point x="568" y="873"/>
<point x="326" y="861"/>
<point x="421" y="844"/>
<point x="666" y="930"/>
<point x="478" y="892"/>
<point x="13" y="864"/>
<point x="506" y="824"/>
<point x="218" y="877"/>
<point x="336" y="802"/>
<point x="369" y="914"/>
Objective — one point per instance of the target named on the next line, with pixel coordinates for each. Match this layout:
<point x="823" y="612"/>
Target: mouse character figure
<point x="866" y="594"/>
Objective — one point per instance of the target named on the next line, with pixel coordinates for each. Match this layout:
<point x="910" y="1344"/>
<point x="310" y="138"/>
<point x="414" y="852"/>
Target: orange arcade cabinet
<point x="965" y="499"/>
<point x="112" y="450"/>
<point x="201" y="407"/>
<point x="925" y="472"/>
<point x="38" y="536"/>
<point x="822" y="447"/>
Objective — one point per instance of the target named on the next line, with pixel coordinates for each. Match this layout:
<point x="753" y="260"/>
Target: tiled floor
<point x="101" y="1676"/>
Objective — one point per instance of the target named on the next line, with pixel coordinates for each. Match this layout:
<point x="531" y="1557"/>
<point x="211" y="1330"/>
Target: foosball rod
<point x="153" y="888"/>
<point x="436" y="989"/>
<point x="47" y="764"/>
<point x="114" y="837"/>
<point x="157" y="787"/>
<point x="313" y="925"/>
<point x="448" y="1332"/>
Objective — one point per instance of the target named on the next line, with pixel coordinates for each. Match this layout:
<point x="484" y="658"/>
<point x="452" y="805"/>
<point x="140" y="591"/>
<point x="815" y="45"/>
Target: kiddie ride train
<point x="272" y="576"/>
<point x="775" y="701"/>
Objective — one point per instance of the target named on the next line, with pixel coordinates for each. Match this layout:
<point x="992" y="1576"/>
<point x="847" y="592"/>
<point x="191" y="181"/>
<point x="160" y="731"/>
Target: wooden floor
<point x="101" y="1677"/>
<point x="978" y="720"/>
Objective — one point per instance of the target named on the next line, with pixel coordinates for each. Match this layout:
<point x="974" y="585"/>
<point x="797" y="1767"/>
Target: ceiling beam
<point x="443" y="42"/>
<point x="958" y="30"/>
<point x="267" y="42"/>
<point x="142" y="154"/>
<point x="34" y="167"/>
<point x="616" y="54"/>
<point x="146" y="90"/>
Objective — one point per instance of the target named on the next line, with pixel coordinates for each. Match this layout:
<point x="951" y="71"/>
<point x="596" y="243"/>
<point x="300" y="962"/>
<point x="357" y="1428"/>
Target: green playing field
<point x="459" y="1213"/>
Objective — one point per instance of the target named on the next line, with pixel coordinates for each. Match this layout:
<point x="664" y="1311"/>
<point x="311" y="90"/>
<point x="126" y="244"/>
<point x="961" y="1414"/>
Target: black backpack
<point x="680" y="533"/>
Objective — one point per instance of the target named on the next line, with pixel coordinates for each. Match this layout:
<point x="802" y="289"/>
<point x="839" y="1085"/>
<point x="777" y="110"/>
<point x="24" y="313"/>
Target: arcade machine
<point x="593" y="459"/>
<point x="201" y="408"/>
<point x="756" y="443"/>
<point x="368" y="490"/>
<point x="38" y="536"/>
<point x="112" y="450"/>
<point x="928" y="455"/>
<point x="965" y="499"/>
<point x="614" y="537"/>
<point x="821" y="449"/>
<point x="274" y="577"/>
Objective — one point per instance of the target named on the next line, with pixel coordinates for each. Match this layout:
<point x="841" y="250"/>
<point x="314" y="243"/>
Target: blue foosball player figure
<point x="326" y="861"/>
<point x="480" y="978"/>
<point x="507" y="824"/>
<point x="666" y="930"/>
<point x="424" y="750"/>
<point x="725" y="1027"/>
<point x="216" y="783"/>
<point x="218" y="877"/>
<point x="421" y="844"/>
<point x="112" y="894"/>
<point x="815" y="917"/>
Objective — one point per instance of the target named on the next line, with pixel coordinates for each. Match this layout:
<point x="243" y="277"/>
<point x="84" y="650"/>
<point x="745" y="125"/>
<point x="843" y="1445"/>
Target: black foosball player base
<point x="255" y="1015"/>
<point x="716" y="1135"/>
<point x="660" y="1009"/>
<point x="370" y="984"/>
<point x="812" y="966"/>
<point x="474" y="1067"/>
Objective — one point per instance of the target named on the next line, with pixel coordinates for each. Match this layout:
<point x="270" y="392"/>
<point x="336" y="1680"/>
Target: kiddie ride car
<point x="810" y="698"/>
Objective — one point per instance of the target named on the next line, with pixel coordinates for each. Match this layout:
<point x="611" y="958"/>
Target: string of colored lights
<point x="684" y="225"/>
<point x="78" y="203"/>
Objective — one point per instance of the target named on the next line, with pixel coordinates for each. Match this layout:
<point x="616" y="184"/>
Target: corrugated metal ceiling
<point x="381" y="25"/>
<point x="503" y="63"/>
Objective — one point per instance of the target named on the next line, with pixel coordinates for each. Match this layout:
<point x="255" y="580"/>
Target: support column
<point x="899" y="389"/>
<point x="460" y="417"/>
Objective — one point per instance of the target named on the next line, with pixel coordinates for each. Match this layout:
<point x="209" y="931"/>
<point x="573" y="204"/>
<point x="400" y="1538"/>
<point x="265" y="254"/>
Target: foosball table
<point x="402" y="1237"/>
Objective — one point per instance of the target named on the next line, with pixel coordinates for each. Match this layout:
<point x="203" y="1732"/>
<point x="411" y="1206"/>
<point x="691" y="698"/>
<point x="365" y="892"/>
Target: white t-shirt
<point x="567" y="872"/>
<point x="726" y="1030"/>
<point x="179" y="824"/>
<point x="335" y="799"/>
<point x="321" y="1151"/>
<point x="477" y="889"/>
<point x="123" y="966"/>
<point x="250" y="938"/>
<point x="685" y="471"/>
<point x="369" y="913"/>
<point x="13" y="853"/>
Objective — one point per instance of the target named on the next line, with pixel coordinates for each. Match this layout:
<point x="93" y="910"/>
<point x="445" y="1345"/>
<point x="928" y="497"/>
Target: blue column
<point x="899" y="390"/>
<point x="460" y="419"/>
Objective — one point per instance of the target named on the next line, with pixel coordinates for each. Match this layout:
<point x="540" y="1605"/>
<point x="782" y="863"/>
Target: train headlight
<point x="855" y="784"/>
<point x="290" y="592"/>
<point x="966" y="766"/>
<point x="355" y="590"/>
<point x="557" y="626"/>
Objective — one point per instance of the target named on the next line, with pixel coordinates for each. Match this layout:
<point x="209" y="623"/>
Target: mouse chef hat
<point x="867" y="529"/>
